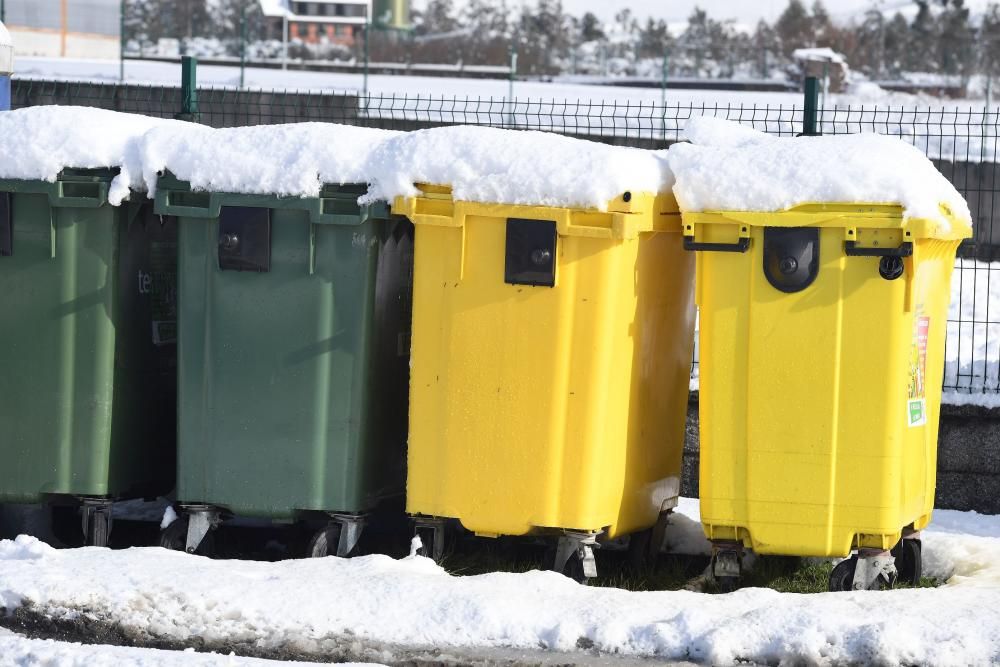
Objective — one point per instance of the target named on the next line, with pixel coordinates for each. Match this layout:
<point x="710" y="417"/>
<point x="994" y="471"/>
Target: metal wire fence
<point x="961" y="141"/>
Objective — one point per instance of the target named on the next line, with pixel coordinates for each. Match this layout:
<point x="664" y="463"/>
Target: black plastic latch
<point x="531" y="252"/>
<point x="791" y="257"/>
<point x="6" y="225"/>
<point x="245" y="239"/>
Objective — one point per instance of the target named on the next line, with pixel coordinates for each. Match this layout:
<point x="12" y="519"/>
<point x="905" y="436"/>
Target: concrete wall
<point x="968" y="475"/>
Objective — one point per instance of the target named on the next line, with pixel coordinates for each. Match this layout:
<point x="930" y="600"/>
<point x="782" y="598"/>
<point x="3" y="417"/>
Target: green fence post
<point x="243" y="47"/>
<point x="664" y="75"/>
<point x="189" y="90"/>
<point x="810" y="110"/>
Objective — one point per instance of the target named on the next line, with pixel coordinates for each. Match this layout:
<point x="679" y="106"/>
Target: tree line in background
<point x="942" y="37"/>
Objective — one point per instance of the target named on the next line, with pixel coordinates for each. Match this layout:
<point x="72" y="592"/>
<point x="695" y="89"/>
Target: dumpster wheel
<point x="96" y="516"/>
<point x="909" y="561"/>
<point x="573" y="556"/>
<point x="726" y="566"/>
<point x="338" y="537"/>
<point x="174" y="537"/>
<point x="879" y="573"/>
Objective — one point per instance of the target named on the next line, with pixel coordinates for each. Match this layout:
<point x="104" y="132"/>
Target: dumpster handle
<point x="905" y="250"/>
<point x="740" y="246"/>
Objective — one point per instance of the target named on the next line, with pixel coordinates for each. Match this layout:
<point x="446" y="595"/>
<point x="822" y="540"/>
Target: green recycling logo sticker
<point x="917" y="412"/>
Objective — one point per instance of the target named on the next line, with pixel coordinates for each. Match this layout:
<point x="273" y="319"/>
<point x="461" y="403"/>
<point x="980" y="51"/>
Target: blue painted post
<point x="6" y="67"/>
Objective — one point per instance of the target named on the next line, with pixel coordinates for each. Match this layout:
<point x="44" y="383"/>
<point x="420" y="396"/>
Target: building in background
<point x="65" y="28"/>
<point x="332" y="21"/>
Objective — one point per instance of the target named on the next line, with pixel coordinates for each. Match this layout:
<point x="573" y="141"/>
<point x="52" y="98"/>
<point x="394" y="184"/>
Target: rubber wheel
<point x="324" y="541"/>
<point x="727" y="584"/>
<point x="573" y="568"/>
<point x="909" y="565"/>
<point x="842" y="577"/>
<point x="99" y="529"/>
<point x="640" y="550"/>
<point x="174" y="537"/>
<point x="66" y="525"/>
<point x="426" y="549"/>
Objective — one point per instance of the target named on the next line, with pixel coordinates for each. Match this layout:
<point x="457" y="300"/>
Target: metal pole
<point x="284" y="40"/>
<point x="811" y="107"/>
<point x="367" y="29"/>
<point x="3" y="10"/>
<point x="64" y="20"/>
<point x="663" y="80"/>
<point x="513" y="71"/>
<point x="189" y="89"/>
<point x="243" y="47"/>
<point x="121" y="43"/>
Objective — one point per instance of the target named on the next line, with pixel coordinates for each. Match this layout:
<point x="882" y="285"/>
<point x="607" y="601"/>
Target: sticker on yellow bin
<point x="916" y="408"/>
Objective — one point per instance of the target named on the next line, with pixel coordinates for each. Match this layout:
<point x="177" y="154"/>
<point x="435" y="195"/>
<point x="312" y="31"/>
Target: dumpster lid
<point x="832" y="180"/>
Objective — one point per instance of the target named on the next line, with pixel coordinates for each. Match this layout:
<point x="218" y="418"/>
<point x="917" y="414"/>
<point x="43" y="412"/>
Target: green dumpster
<point x="293" y="355"/>
<point x="87" y="347"/>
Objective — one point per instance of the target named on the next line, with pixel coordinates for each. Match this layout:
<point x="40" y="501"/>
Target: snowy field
<point x="314" y="606"/>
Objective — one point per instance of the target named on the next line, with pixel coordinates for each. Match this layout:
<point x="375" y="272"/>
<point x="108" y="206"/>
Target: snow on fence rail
<point x="962" y="141"/>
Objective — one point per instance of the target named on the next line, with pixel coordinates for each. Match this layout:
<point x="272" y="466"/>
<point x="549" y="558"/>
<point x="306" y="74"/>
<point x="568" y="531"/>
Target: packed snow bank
<point x="20" y="651"/>
<point x="481" y="164"/>
<point x="312" y="604"/>
<point x="515" y="167"/>
<point x="732" y="168"/>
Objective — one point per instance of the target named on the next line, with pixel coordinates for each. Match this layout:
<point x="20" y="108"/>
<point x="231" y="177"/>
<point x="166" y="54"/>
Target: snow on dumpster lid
<point x="480" y="164"/>
<point x="729" y="167"/>
<point x="293" y="160"/>
<point x="489" y="165"/>
<point x="37" y="143"/>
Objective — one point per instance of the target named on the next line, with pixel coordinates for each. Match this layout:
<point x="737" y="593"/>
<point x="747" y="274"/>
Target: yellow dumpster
<point x="822" y="338"/>
<point x="550" y="366"/>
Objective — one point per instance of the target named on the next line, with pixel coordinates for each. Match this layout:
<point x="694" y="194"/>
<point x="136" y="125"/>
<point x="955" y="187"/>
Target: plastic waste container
<point x="822" y="338"/>
<point x="550" y="368"/>
<point x="293" y="360"/>
<point x="87" y="346"/>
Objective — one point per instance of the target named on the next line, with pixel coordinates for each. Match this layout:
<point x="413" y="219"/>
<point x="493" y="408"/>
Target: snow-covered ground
<point x="18" y="651"/>
<point x="315" y="605"/>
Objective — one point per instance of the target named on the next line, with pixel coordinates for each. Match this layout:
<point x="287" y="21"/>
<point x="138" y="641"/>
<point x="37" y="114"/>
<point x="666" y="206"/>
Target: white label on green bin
<point x="916" y="412"/>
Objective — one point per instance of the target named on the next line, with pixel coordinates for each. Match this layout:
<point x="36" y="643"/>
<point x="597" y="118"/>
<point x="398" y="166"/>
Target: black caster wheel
<point x="727" y="584"/>
<point x="99" y="528"/>
<point x="842" y="577"/>
<point x="325" y="540"/>
<point x="641" y="554"/>
<point x="174" y="537"/>
<point x="432" y="542"/>
<point x="909" y="563"/>
<point x="573" y="568"/>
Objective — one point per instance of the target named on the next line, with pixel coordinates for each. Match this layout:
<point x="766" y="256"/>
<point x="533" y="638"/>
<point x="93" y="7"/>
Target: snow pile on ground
<point x="312" y="605"/>
<point x="19" y="651"/>
<point x="729" y="167"/>
<point x="481" y="164"/>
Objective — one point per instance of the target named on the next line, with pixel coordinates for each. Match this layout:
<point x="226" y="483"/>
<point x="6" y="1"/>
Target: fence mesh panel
<point x="962" y="143"/>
